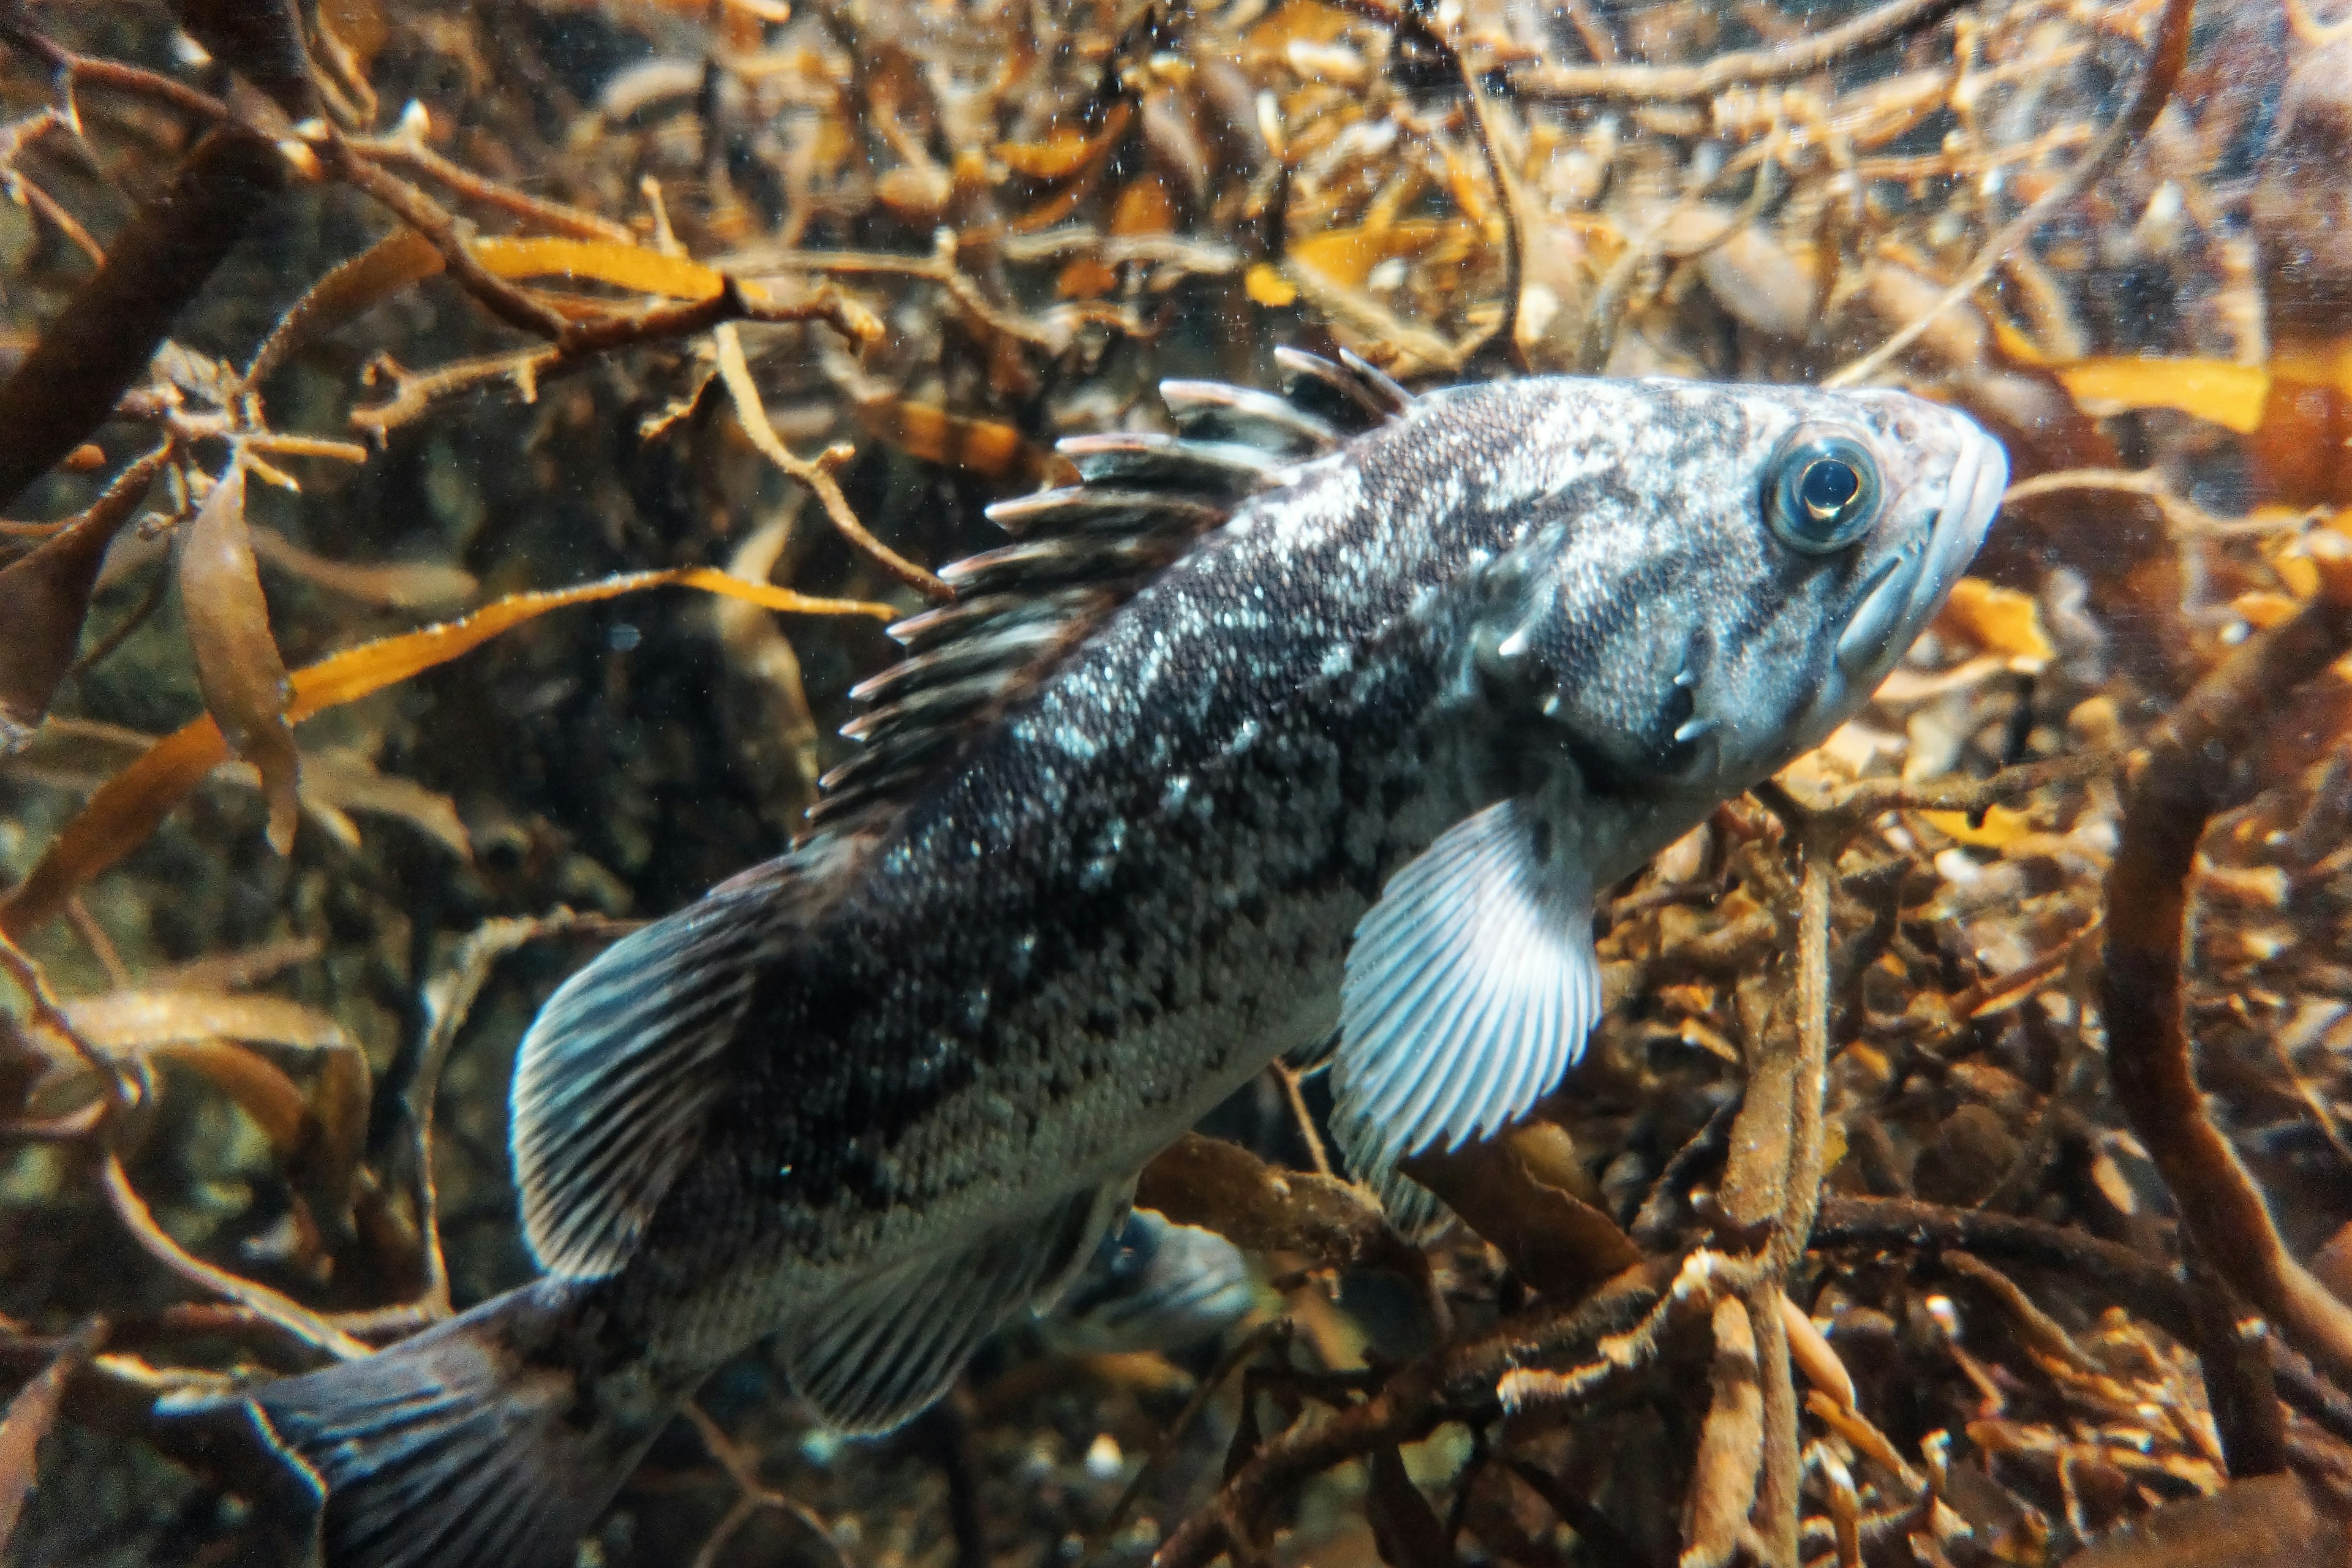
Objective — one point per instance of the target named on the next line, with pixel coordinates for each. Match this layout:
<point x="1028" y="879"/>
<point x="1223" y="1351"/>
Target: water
<point x="217" y="1054"/>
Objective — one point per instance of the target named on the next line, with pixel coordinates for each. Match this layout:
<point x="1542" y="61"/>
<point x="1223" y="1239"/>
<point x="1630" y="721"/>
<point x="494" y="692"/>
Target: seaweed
<point x="1959" y="1175"/>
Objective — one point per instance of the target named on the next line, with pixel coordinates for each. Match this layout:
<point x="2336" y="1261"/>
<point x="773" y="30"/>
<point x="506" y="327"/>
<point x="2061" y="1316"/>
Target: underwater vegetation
<point x="459" y="457"/>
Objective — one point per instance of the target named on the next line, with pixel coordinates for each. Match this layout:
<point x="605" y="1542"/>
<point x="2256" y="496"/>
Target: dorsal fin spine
<point x="1212" y="405"/>
<point x="1082" y="552"/>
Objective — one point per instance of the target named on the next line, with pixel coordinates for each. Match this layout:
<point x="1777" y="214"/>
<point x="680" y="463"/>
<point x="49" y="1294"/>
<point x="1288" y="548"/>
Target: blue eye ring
<point x="1822" y="491"/>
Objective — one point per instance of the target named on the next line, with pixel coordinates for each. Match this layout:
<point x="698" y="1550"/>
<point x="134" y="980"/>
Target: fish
<point x="1327" y="716"/>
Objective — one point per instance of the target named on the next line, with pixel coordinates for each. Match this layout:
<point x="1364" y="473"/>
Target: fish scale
<point x="1338" y="716"/>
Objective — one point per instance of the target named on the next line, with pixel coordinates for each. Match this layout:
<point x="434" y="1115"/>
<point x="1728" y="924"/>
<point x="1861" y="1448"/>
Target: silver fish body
<point x="1248" y="739"/>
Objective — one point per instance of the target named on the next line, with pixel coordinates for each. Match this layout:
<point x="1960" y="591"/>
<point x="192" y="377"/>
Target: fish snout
<point x="1978" y="480"/>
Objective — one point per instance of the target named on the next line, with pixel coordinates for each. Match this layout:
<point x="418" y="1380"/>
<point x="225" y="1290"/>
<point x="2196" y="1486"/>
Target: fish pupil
<point x="1828" y="488"/>
<point x="1823" y="491"/>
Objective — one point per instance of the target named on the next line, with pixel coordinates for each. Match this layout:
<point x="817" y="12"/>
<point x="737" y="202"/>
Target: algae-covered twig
<point x="2177" y="789"/>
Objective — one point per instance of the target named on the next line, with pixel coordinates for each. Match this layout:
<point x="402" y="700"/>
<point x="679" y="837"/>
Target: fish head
<point x="1737" y="583"/>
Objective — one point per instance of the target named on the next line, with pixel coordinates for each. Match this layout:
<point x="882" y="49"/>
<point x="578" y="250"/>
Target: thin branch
<point x="448" y="998"/>
<point x="2118" y="1272"/>
<point x="817" y="474"/>
<point x="1507" y="191"/>
<point x="2165" y="62"/>
<point x="1744" y="67"/>
<point x="1855" y="804"/>
<point x="428" y="217"/>
<point x="49" y="208"/>
<point x="1051" y="332"/>
<point x="558" y="216"/>
<point x="73" y="70"/>
<point x="1290" y="1080"/>
<point x="1243" y="1352"/>
<point x="754" y="1494"/>
<point x="1455" y="1383"/>
<point x="289" y="1316"/>
<point x="415" y="392"/>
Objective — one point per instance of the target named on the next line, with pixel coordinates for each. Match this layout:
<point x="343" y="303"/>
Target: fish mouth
<point x="1907" y="588"/>
<point x="1979" y="482"/>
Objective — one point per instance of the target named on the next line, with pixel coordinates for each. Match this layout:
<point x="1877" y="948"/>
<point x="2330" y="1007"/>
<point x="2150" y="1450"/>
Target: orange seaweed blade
<point x="130" y="807"/>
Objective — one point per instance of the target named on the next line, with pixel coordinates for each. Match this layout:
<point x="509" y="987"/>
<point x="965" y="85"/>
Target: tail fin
<point x="474" y="1445"/>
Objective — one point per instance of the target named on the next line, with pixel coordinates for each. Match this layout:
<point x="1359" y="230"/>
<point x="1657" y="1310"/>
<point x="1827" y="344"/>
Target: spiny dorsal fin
<point x="1366" y="395"/>
<point x="1081" y="552"/>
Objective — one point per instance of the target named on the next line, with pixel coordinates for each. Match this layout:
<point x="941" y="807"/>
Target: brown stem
<point x="815" y="473"/>
<point x="2116" y="1271"/>
<point x="1742" y="67"/>
<point x="428" y="217"/>
<point x="1853" y="807"/>
<point x="101" y="342"/>
<point x="2185" y="779"/>
<point x="556" y="216"/>
<point x="84" y="70"/>
<point x="1453" y="1384"/>
<point x="1803" y="1197"/>
<point x="1506" y="192"/>
<point x="1777" y="1502"/>
<point x="2239" y="1387"/>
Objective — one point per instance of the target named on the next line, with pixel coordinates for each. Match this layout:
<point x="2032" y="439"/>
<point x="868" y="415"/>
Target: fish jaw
<point x="1894" y="603"/>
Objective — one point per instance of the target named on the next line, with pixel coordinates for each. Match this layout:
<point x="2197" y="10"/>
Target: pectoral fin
<point x="1469" y="991"/>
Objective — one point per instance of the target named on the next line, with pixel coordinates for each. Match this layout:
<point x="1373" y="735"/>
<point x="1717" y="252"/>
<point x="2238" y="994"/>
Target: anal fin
<point x="875" y="1355"/>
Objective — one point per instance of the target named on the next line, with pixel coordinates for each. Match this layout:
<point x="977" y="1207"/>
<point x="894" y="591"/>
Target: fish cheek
<point x="1772" y="664"/>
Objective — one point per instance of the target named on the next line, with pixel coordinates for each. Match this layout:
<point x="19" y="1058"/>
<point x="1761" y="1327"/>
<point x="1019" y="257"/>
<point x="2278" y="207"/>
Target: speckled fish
<point x="1333" y="713"/>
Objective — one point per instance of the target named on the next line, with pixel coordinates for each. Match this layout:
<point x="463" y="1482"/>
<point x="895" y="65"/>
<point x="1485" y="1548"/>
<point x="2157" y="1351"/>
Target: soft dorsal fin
<point x="1081" y="552"/>
<point x="619" y="1069"/>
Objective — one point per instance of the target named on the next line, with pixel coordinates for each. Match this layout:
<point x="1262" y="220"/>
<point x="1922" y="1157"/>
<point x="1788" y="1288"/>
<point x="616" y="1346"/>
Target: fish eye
<point x="1821" y="492"/>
